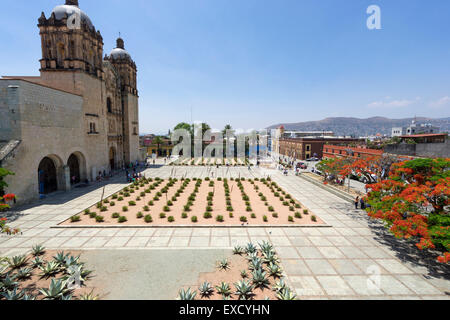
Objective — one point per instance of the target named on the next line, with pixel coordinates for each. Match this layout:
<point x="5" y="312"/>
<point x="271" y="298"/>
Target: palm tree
<point x="158" y="141"/>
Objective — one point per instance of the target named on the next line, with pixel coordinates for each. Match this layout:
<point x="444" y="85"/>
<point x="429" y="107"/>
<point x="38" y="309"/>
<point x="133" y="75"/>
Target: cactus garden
<point x="45" y="275"/>
<point x="252" y="273"/>
<point x="208" y="202"/>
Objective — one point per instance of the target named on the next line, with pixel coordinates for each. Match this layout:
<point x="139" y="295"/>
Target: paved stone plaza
<point x="351" y="258"/>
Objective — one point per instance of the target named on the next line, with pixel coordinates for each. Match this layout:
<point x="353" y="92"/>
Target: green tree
<point x="3" y="185"/>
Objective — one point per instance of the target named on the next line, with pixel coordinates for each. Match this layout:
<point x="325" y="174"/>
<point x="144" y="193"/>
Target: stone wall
<point x="49" y="124"/>
<point x="426" y="150"/>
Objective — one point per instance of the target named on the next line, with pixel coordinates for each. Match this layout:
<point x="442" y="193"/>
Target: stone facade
<point x="81" y="113"/>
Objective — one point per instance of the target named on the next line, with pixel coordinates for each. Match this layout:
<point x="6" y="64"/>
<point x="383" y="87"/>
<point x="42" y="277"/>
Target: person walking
<point x="356" y="202"/>
<point x="363" y="204"/>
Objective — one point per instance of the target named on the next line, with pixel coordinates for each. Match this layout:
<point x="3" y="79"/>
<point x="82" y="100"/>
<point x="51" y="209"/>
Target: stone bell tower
<point x="126" y="68"/>
<point x="69" y="41"/>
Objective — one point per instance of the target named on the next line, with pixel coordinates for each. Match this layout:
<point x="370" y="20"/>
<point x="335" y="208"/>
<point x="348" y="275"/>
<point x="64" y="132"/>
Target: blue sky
<point x="254" y="63"/>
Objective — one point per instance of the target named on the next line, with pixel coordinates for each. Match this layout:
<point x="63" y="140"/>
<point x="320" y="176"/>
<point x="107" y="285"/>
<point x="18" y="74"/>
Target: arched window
<point x="109" y="105"/>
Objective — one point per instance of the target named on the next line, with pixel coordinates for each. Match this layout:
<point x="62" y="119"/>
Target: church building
<point x="78" y="119"/>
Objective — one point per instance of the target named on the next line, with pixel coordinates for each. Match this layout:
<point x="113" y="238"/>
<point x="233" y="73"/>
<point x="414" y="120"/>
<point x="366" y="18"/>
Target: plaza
<point x="351" y="257"/>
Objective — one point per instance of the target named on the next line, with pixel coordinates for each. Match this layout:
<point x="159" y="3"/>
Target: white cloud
<point x="392" y="103"/>
<point x="444" y="101"/>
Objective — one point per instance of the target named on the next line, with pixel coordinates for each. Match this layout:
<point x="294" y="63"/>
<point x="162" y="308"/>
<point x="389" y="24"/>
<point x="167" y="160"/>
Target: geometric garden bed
<point x="202" y="202"/>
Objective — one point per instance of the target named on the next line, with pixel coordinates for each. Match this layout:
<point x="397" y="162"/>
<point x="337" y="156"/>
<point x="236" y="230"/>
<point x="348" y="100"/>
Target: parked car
<point x="313" y="159"/>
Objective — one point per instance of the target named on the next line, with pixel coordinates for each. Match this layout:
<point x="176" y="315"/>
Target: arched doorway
<point x="112" y="158"/>
<point x="74" y="165"/>
<point x="48" y="181"/>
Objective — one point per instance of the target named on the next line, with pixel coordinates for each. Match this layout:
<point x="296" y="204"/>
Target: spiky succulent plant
<point x="70" y="261"/>
<point x="255" y="264"/>
<point x="238" y="250"/>
<point x="50" y="268"/>
<point x="187" y="294"/>
<point x="271" y="257"/>
<point x="60" y="258"/>
<point x="244" y="290"/>
<point x="9" y="282"/>
<point x="251" y="248"/>
<point x="56" y="291"/>
<point x="224" y="289"/>
<point x="89" y="296"/>
<point x="28" y="297"/>
<point x="286" y="294"/>
<point x="206" y="289"/>
<point x="17" y="262"/>
<point x="275" y="270"/>
<point x="244" y="274"/>
<point x="265" y="246"/>
<point x="223" y="264"/>
<point x="12" y="295"/>
<point x="38" y="250"/>
<point x="279" y="285"/>
<point x="259" y="279"/>
<point x="24" y="273"/>
<point x="37" y="262"/>
<point x="251" y="256"/>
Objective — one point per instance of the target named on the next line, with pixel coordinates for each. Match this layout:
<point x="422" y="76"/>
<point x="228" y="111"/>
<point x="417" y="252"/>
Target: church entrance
<point x="74" y="165"/>
<point x="48" y="181"/>
<point x="112" y="158"/>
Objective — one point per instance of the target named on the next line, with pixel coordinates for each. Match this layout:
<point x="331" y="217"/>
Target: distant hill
<point x="361" y="127"/>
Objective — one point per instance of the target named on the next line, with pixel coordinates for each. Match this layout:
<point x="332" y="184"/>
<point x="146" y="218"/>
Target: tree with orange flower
<point x="413" y="201"/>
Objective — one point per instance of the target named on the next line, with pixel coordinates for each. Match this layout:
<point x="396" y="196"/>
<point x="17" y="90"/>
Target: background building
<point x="79" y="118"/>
<point x="414" y="129"/>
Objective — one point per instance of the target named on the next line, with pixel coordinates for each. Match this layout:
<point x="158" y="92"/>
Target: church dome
<point x="70" y="8"/>
<point x="119" y="52"/>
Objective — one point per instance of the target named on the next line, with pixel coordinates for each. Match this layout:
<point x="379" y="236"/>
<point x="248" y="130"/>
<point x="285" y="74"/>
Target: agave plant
<point x="223" y="264"/>
<point x="279" y="285"/>
<point x="265" y="246"/>
<point x="224" y="289"/>
<point x="286" y="294"/>
<point x="9" y="283"/>
<point x="244" y="274"/>
<point x="24" y="273"/>
<point x="252" y="256"/>
<point x="256" y="264"/>
<point x="56" y="290"/>
<point x="60" y="258"/>
<point x="67" y="297"/>
<point x="89" y="296"/>
<point x="28" y="297"/>
<point x="259" y="279"/>
<point x="3" y="269"/>
<point x="50" y="269"/>
<point x="17" y="261"/>
<point x="244" y="290"/>
<point x="206" y="289"/>
<point x="275" y="270"/>
<point x="70" y="261"/>
<point x="12" y="295"/>
<point x="37" y="262"/>
<point x="251" y="248"/>
<point x="271" y="257"/>
<point x="38" y="250"/>
<point x="187" y="294"/>
<point x="238" y="250"/>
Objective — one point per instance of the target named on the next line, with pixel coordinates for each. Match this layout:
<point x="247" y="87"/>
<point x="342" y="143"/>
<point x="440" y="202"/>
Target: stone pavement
<point x="354" y="259"/>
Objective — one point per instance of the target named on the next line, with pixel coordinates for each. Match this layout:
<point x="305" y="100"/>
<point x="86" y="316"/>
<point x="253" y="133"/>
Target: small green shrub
<point x="171" y="219"/>
<point x="253" y="216"/>
<point x="75" y="218"/>
<point x="219" y="218"/>
<point x="115" y="215"/>
<point x="298" y="215"/>
<point x="99" y="219"/>
<point x="291" y="219"/>
<point x="148" y="219"/>
<point x="207" y="215"/>
<point x="314" y="218"/>
<point x="243" y="219"/>
<point x="265" y="219"/>
<point x="184" y="215"/>
<point x="122" y="219"/>
<point x="194" y="219"/>
<point x="275" y="215"/>
<point x="92" y="215"/>
<point x="162" y="215"/>
<point x="124" y="208"/>
<point x="139" y="215"/>
<point x="306" y="211"/>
